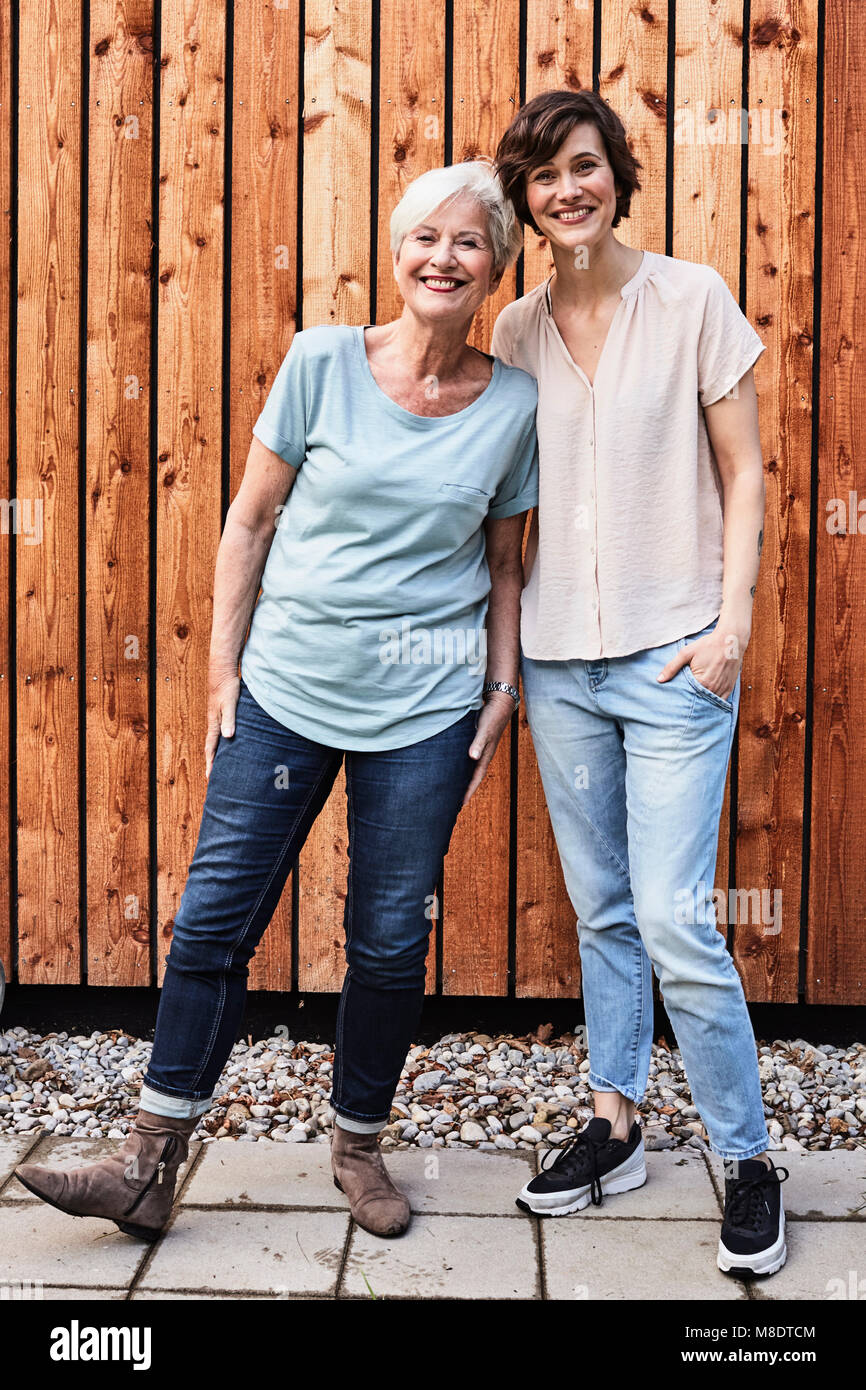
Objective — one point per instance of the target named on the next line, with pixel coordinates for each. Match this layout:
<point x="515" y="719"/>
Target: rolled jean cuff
<point x="179" y="1107"/>
<point x="356" y="1126"/>
<point x="598" y="1083"/>
<point x="760" y="1147"/>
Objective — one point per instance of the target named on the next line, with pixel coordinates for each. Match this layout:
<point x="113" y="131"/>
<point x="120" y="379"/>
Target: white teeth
<point x="443" y="284"/>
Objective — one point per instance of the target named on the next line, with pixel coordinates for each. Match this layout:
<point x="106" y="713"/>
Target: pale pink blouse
<point x="625" y="546"/>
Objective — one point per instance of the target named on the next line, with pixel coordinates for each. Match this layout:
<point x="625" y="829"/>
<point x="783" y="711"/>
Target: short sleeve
<point x="728" y="344"/>
<point x="518" y="490"/>
<point x="500" y="341"/>
<point x="282" y="424"/>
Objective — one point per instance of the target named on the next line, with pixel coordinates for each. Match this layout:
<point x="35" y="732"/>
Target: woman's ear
<point x="496" y="280"/>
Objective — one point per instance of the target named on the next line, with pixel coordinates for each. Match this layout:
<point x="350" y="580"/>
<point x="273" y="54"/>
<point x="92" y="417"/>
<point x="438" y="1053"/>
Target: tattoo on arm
<point x="761" y="540"/>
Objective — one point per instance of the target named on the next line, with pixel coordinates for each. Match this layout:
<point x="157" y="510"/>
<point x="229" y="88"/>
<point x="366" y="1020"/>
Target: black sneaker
<point x="753" y="1229"/>
<point x="589" y="1165"/>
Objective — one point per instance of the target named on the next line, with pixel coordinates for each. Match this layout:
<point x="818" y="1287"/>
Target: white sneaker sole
<point x="630" y="1174"/>
<point x="764" y="1262"/>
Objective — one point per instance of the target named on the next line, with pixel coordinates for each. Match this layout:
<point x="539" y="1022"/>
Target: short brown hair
<point x="539" y="129"/>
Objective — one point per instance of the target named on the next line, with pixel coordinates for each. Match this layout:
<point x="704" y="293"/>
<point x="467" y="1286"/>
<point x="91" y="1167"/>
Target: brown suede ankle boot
<point x="133" y="1188"/>
<point x="376" y="1204"/>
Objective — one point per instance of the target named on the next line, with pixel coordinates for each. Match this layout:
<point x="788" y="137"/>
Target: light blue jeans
<point x="634" y="776"/>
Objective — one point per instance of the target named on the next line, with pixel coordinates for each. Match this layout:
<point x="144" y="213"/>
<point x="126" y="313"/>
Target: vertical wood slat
<point x="7" y="539"/>
<point x="189" y="427"/>
<point x="47" y="413"/>
<point x="633" y="79"/>
<point x="707" y="79"/>
<point x="262" y="288"/>
<point x="117" y="683"/>
<point x="410" y="140"/>
<point x="411" y="133"/>
<point x="836" y="958"/>
<point x="779" y="268"/>
<point x="475" y="892"/>
<point x="547" y="959"/>
<point x="336" y="210"/>
<point x="706" y="206"/>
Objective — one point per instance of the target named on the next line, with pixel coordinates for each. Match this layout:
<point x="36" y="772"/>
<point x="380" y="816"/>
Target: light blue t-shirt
<point x="369" y="632"/>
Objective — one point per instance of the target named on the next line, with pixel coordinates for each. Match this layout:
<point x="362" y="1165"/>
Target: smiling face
<point x="573" y="197"/>
<point x="445" y="265"/>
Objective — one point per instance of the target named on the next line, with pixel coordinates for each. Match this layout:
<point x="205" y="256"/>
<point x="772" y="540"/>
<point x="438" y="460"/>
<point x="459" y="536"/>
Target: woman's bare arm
<point x="503" y="538"/>
<point x="249" y="531"/>
<point x="732" y="426"/>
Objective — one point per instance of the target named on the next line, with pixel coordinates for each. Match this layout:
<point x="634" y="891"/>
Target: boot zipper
<point x="157" y="1173"/>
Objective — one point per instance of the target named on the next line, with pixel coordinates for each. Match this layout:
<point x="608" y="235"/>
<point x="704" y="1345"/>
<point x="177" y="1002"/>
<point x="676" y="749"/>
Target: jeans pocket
<point x="710" y="696"/>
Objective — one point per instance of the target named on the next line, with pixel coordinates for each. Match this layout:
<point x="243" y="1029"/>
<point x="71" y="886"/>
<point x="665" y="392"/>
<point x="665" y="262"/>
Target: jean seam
<point x="347" y="932"/>
<point x="586" y="820"/>
<point x="686" y="722"/>
<point x="251" y="917"/>
<point x="640" y="948"/>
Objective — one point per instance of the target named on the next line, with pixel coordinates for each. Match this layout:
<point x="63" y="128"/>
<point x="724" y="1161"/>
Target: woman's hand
<point x="223" y="690"/>
<point x="715" y="660"/>
<point x="493" y="719"/>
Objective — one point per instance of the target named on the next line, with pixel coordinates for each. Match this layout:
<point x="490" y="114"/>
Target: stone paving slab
<point x="828" y="1183"/>
<point x="471" y="1257"/>
<point x="287" y="1175"/>
<point x="249" y="1251"/>
<point x="462" y="1181"/>
<point x="64" y="1151"/>
<point x="826" y="1260"/>
<point x="13" y="1148"/>
<point x="678" y="1185"/>
<point x="40" y="1242"/>
<point x="650" y="1260"/>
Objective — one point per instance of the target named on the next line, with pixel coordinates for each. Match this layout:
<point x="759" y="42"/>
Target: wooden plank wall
<point x="176" y="204"/>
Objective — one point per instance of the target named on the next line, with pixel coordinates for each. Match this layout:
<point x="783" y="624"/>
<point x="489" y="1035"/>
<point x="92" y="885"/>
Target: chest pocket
<point x="472" y="496"/>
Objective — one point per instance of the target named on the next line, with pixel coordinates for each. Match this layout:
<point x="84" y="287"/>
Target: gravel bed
<point x="468" y="1090"/>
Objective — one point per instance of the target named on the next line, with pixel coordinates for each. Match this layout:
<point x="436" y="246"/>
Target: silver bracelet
<point x="508" y="690"/>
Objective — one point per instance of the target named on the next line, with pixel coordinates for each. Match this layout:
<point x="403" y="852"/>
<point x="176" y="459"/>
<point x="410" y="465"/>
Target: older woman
<point x="642" y="563"/>
<point x="382" y="509"/>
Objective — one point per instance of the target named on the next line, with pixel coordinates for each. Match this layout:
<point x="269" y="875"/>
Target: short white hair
<point x="478" y="179"/>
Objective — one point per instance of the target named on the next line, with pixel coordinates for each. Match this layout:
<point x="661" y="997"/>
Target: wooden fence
<point x="177" y="202"/>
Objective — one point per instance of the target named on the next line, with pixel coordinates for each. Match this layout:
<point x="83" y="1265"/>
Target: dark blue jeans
<point x="402" y="805"/>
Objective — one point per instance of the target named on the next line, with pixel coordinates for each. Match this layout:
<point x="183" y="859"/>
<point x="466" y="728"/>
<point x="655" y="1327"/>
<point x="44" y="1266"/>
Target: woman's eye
<point x="546" y="173"/>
